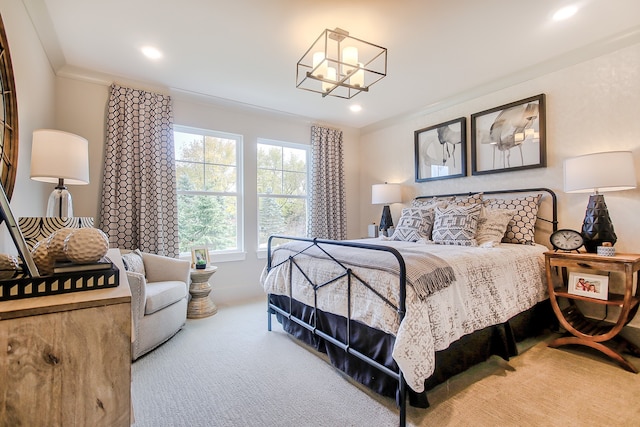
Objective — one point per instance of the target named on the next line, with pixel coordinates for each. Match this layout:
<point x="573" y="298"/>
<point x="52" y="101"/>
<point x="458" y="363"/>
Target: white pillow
<point x="492" y="226"/>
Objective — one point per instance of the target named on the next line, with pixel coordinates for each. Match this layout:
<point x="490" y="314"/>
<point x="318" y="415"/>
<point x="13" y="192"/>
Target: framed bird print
<point x="510" y="137"/>
<point x="441" y="150"/>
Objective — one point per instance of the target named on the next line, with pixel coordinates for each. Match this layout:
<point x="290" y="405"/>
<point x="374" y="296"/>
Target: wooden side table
<point x="66" y="359"/>
<point x="200" y="304"/>
<point x="595" y="334"/>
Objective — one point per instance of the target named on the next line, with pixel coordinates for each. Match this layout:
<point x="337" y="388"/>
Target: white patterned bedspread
<point x="491" y="286"/>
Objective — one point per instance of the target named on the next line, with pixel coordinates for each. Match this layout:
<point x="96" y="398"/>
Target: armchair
<point x="159" y="294"/>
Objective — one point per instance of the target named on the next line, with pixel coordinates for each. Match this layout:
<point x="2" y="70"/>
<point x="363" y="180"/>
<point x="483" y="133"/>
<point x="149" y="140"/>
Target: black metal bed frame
<point x="401" y="395"/>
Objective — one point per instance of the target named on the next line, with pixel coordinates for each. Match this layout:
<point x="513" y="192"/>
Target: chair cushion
<point x="163" y="294"/>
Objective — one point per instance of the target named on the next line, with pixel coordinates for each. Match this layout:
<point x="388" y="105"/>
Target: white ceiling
<point x="439" y="51"/>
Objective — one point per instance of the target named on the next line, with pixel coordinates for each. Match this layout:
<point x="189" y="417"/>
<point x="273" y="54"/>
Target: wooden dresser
<point x="65" y="360"/>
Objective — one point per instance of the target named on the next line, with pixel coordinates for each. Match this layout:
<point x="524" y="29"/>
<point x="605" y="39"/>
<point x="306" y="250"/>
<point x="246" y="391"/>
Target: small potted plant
<point x="201" y="264"/>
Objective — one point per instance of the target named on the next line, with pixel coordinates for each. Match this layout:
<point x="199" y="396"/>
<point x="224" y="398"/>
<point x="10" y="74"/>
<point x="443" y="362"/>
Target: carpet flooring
<point x="228" y="370"/>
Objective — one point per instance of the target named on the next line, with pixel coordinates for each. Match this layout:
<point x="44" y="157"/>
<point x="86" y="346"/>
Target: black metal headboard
<point x="554" y="200"/>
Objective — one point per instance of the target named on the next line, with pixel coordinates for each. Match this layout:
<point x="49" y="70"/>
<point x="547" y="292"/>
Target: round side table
<point x="200" y="304"/>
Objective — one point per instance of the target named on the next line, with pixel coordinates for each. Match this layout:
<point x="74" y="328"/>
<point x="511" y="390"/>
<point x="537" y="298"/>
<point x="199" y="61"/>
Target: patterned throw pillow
<point x="431" y="202"/>
<point x="491" y="226"/>
<point x="470" y="200"/>
<point x="521" y="228"/>
<point x="456" y="225"/>
<point x="414" y="224"/>
<point x="133" y="262"/>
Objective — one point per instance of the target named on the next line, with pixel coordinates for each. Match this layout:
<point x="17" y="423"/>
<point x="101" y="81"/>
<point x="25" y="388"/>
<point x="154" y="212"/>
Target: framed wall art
<point x="441" y="151"/>
<point x="510" y="137"/>
<point x="588" y="285"/>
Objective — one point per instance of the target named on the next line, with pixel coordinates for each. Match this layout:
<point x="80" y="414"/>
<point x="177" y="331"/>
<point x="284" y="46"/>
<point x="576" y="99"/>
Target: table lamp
<point x="385" y="194"/>
<point x="61" y="158"/>
<point x="596" y="173"/>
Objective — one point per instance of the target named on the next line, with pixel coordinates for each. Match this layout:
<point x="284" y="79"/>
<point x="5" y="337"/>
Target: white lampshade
<point x="59" y="155"/>
<point x="599" y="172"/>
<point x="384" y="194"/>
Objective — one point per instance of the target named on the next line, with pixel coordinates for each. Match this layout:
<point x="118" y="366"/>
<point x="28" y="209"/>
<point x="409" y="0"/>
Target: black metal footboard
<point x="351" y="278"/>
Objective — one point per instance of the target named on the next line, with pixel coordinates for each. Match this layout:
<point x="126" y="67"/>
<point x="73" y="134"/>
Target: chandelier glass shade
<point x="339" y="65"/>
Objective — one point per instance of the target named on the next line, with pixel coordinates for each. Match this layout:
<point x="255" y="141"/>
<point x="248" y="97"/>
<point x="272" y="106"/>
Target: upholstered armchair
<point x="159" y="295"/>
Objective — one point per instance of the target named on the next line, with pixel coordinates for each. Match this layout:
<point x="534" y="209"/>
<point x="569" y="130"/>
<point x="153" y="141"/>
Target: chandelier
<point x="339" y="65"/>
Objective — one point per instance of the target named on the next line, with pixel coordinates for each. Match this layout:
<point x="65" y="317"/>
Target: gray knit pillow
<point x="133" y="262"/>
<point x="456" y="225"/>
<point x="414" y="224"/>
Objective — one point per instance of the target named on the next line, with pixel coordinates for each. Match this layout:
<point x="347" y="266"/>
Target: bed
<point x="461" y="279"/>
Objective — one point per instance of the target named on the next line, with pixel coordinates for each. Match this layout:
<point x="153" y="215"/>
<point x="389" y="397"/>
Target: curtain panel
<point x="327" y="201"/>
<point x="139" y="203"/>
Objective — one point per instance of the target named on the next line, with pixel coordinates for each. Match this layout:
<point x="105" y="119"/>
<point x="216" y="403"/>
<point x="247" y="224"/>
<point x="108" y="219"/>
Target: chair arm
<point x="138" y="287"/>
<point x="160" y="268"/>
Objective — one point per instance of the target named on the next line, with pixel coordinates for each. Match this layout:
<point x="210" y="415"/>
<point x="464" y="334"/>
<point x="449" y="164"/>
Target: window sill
<point x="224" y="257"/>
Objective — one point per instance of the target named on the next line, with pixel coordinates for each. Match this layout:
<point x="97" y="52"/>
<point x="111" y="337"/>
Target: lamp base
<point x="597" y="227"/>
<point x="60" y="204"/>
<point x="386" y="220"/>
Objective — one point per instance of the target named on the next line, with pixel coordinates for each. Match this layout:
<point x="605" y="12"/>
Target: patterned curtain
<point x="139" y="202"/>
<point x="327" y="201"/>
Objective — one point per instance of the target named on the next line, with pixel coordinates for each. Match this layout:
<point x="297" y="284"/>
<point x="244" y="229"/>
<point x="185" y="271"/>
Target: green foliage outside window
<point x="282" y="191"/>
<point x="206" y="170"/>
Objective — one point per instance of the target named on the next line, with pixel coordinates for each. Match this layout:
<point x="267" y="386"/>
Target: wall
<point x="81" y="107"/>
<point x="592" y="106"/>
<point x="35" y="90"/>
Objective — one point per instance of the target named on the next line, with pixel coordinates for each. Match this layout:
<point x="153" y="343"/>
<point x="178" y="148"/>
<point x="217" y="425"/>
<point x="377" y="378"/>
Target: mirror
<point x="8" y="118"/>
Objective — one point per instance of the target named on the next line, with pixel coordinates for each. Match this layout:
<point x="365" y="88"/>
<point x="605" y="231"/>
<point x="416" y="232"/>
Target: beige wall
<point x="592" y="106"/>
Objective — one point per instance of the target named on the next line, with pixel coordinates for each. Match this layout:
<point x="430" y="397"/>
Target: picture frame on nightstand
<point x="588" y="285"/>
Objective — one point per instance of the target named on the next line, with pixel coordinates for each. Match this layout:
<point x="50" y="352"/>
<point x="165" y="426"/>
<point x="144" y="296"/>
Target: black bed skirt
<point x="468" y="351"/>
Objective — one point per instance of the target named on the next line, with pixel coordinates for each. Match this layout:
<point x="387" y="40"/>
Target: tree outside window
<point x="282" y="189"/>
<point x="208" y="171"/>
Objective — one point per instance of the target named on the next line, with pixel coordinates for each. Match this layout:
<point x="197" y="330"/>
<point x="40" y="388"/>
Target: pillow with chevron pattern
<point x="456" y="225"/>
<point x="414" y="224"/>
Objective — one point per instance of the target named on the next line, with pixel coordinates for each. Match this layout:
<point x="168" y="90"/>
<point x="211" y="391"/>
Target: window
<point x="282" y="189"/>
<point x="209" y="187"/>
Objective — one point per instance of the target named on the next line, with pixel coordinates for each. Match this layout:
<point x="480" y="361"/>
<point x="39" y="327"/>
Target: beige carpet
<point x="227" y="370"/>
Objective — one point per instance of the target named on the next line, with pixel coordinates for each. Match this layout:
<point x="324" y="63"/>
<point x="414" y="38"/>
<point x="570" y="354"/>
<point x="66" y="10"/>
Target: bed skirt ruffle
<point x="464" y="353"/>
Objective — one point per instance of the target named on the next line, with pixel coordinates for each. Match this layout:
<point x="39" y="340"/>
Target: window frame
<point x="239" y="253"/>
<point x="262" y="252"/>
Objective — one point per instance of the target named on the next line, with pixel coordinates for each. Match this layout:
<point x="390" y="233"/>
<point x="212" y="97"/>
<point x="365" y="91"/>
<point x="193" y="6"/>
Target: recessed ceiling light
<point x="355" y="108"/>
<point x="151" y="52"/>
<point x="565" y="13"/>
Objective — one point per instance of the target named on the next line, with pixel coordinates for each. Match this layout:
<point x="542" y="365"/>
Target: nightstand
<point x="592" y="333"/>
<point x="200" y="305"/>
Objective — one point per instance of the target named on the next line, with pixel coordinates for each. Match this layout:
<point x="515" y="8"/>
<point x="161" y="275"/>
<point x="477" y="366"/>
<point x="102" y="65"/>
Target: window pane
<point x="269" y="181"/>
<point x="220" y="178"/>
<point x="189" y="146"/>
<point x="281" y="215"/>
<point x="189" y="176"/>
<point x="221" y="151"/>
<point x="294" y="159"/>
<point x="207" y="220"/>
<point x="295" y="183"/>
<point x="269" y="156"/>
